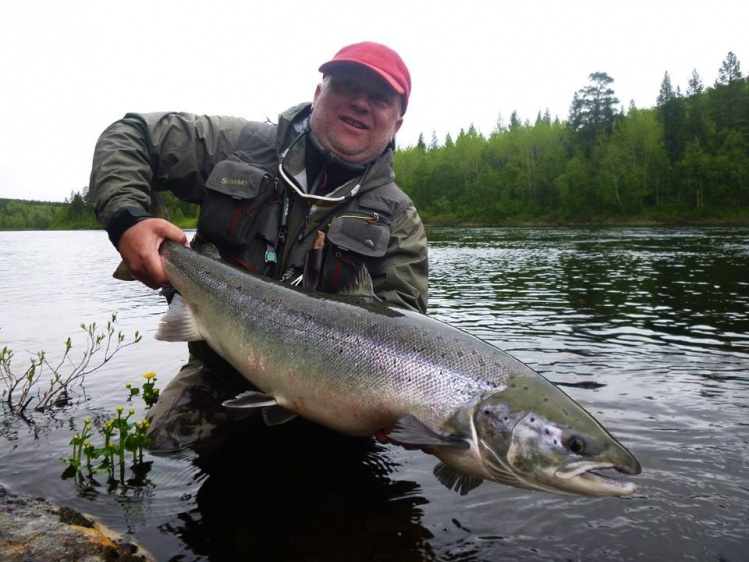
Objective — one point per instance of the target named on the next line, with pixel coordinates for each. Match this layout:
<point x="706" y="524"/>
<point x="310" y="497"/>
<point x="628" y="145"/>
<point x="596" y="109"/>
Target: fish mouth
<point x="586" y="477"/>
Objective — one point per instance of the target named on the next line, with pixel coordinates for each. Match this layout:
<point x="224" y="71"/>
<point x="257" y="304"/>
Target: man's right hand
<point x="139" y="248"/>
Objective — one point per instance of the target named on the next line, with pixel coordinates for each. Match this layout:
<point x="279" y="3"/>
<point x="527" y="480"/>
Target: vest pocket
<point x="354" y="239"/>
<point x="235" y="197"/>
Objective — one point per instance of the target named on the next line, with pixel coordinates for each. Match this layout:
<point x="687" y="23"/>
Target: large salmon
<point x="362" y="367"/>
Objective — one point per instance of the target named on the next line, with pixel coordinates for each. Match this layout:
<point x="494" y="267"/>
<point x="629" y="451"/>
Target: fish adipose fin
<point x="179" y="323"/>
<point x="409" y="430"/>
<point x="273" y="414"/>
<point x="453" y="480"/>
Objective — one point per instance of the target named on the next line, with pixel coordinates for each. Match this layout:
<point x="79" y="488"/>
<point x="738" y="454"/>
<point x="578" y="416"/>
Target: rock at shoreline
<point x="33" y="529"/>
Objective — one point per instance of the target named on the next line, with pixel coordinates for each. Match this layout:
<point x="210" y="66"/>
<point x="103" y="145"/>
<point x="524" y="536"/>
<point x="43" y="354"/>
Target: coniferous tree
<point x="593" y="111"/>
<point x="666" y="93"/>
<point x="420" y="144"/>
<point x="671" y="113"/>
<point x="730" y="105"/>
<point x="694" y="85"/>
<point x="435" y="143"/>
<point x="729" y="71"/>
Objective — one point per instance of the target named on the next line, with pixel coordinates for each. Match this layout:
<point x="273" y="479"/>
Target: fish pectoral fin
<point x="249" y="399"/>
<point x="179" y="323"/>
<point x="454" y="480"/>
<point x="409" y="430"/>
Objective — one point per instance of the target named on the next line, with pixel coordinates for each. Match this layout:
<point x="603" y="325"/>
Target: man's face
<point x="355" y="114"/>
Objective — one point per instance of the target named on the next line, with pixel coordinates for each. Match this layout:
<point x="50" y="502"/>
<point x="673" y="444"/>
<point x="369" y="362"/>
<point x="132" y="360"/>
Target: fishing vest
<point x="259" y="224"/>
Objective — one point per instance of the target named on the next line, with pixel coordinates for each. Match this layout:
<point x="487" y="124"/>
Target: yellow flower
<point x="149" y="376"/>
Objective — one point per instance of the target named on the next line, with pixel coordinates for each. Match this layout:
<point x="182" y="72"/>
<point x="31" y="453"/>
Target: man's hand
<point x="139" y="248"/>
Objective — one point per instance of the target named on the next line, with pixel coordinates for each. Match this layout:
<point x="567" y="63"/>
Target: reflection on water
<point x="647" y="328"/>
<point x="313" y="484"/>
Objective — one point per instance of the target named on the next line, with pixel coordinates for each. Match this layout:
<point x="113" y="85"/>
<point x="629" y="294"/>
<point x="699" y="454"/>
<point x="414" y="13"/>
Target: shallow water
<point x="647" y="328"/>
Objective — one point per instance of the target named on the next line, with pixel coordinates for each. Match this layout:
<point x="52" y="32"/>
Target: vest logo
<point x="234" y="181"/>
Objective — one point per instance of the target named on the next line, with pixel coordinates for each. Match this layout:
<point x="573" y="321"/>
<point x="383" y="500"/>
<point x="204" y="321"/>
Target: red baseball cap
<point x="375" y="56"/>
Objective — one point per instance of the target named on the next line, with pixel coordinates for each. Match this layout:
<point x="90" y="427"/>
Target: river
<point x="647" y="328"/>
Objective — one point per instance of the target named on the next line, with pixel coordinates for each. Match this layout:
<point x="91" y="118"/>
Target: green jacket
<point x="230" y="166"/>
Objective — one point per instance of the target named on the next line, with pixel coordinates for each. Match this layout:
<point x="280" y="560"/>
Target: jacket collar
<point x="293" y="127"/>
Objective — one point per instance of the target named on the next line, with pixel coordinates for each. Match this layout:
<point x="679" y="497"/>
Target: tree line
<point x="77" y="213"/>
<point x="684" y="160"/>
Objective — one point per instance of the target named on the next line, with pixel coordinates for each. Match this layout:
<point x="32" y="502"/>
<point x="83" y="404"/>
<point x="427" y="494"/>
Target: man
<point x="309" y="200"/>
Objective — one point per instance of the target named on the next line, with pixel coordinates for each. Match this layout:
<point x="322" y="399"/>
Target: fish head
<point x="532" y="435"/>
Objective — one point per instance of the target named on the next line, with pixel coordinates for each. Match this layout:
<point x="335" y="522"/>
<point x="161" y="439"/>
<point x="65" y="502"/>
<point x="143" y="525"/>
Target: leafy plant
<point x="122" y="438"/>
<point x="22" y="392"/>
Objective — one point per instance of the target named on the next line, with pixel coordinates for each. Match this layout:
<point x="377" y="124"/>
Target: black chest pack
<point x="259" y="224"/>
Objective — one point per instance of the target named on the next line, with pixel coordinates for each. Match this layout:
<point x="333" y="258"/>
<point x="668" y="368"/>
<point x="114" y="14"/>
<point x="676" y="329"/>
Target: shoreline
<point x="34" y="529"/>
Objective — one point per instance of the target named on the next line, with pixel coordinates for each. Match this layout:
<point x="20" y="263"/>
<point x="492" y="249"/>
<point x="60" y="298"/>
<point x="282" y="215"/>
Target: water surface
<point x="647" y="328"/>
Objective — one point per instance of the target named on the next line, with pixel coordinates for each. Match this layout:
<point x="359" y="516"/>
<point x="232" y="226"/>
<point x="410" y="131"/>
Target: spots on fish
<point x="548" y="434"/>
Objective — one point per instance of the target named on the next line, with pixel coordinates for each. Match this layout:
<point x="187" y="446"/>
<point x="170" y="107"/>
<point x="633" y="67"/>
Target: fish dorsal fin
<point x="210" y="250"/>
<point x="360" y="286"/>
<point x="178" y="324"/>
<point x="454" y="480"/>
<point x="409" y="430"/>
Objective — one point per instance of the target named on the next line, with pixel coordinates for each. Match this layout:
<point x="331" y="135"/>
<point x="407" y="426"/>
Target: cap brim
<point x="331" y="66"/>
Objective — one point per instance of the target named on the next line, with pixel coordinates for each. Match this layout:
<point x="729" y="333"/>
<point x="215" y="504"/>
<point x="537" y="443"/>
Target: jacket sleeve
<point x="403" y="279"/>
<point x="149" y="152"/>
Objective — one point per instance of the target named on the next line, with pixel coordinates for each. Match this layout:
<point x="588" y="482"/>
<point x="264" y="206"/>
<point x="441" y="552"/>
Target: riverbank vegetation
<point x="686" y="160"/>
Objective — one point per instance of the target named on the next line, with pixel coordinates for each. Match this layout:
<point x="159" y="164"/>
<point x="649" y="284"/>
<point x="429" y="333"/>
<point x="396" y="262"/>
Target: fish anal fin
<point x="454" y="480"/>
<point x="409" y="430"/>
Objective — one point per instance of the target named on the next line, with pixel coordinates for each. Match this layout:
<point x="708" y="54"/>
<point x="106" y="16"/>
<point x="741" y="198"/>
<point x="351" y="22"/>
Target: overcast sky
<point x="68" y="68"/>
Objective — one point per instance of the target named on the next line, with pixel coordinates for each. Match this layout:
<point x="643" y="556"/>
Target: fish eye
<point x="576" y="445"/>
